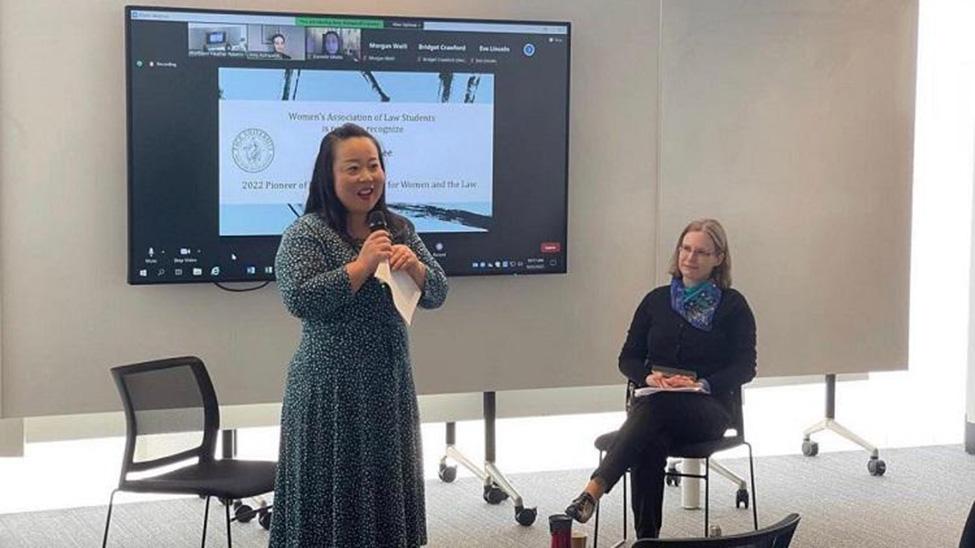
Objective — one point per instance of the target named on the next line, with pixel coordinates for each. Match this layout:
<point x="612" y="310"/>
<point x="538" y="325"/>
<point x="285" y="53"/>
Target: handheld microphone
<point x="376" y="221"/>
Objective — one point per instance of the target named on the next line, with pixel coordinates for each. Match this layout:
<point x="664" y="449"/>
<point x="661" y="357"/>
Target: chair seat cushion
<point x="229" y="479"/>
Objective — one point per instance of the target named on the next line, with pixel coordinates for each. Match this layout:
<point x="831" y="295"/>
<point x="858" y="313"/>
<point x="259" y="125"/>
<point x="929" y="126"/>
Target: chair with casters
<point x="777" y="535"/>
<point x="734" y="437"/>
<point x="968" y="533"/>
<point x="176" y="395"/>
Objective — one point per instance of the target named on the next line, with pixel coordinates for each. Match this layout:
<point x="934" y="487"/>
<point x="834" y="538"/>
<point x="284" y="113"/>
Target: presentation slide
<point x="436" y="130"/>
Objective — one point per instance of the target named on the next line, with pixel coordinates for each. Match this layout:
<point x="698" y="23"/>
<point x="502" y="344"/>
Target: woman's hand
<point x="404" y="259"/>
<point x="681" y="381"/>
<point x="658" y="380"/>
<point x="376" y="249"/>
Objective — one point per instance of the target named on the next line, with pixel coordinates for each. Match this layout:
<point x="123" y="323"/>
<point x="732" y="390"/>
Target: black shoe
<point x="581" y="508"/>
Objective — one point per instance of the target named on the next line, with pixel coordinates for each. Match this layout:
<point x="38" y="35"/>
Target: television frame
<point x="131" y="277"/>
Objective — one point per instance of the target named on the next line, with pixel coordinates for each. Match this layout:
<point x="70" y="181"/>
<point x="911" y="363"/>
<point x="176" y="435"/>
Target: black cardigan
<point x="724" y="356"/>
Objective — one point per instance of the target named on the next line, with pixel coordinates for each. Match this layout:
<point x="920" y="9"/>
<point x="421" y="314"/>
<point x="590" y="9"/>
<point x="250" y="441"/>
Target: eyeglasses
<point x="688" y="250"/>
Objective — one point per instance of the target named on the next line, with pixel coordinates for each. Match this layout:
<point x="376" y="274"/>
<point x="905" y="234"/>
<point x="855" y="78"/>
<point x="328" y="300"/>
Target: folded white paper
<point x="404" y="290"/>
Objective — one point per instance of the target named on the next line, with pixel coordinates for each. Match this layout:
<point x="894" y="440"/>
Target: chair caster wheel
<point x="810" y="448"/>
<point x="741" y="498"/>
<point x="493" y="494"/>
<point x="876" y="466"/>
<point x="264" y="518"/>
<point x="525" y="516"/>
<point x="447" y="473"/>
<point x="243" y="512"/>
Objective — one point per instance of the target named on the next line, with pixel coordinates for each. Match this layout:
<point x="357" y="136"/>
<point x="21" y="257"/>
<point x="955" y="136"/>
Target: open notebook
<point x="648" y="390"/>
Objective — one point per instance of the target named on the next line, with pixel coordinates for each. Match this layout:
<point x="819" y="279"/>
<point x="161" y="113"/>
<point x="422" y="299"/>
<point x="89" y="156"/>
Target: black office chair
<point x="778" y="535"/>
<point x="968" y="533"/>
<point x="702" y="450"/>
<point x="176" y="395"/>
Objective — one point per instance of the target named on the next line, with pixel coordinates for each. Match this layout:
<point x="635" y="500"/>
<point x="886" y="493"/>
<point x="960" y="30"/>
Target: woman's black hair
<point x="322" y="199"/>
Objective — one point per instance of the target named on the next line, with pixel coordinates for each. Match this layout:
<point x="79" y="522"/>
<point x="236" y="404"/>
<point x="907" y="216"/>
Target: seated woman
<point x="697" y="324"/>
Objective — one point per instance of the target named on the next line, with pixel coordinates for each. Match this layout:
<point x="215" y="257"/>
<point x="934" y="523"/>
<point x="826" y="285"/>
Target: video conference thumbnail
<point x="217" y="39"/>
<point x="274" y="42"/>
<point x="334" y="43"/>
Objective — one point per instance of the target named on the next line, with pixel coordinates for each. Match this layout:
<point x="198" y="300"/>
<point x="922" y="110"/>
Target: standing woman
<point x="350" y="470"/>
<point x="697" y="323"/>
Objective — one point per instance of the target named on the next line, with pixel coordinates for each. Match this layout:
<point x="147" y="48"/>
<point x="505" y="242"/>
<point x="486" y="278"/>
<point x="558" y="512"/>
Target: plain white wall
<point x="792" y="122"/>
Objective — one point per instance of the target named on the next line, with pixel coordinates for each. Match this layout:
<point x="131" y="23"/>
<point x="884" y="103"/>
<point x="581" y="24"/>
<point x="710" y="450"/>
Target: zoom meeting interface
<point x="227" y="110"/>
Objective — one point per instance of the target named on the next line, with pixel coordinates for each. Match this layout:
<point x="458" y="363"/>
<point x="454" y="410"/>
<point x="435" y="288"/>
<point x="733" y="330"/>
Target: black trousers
<point x="654" y="425"/>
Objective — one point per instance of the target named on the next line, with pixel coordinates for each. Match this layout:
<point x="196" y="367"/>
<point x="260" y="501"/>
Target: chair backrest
<point x="167" y="396"/>
<point x="778" y="535"/>
<point x="738" y="413"/>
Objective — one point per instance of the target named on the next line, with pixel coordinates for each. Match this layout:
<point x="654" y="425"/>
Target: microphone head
<point x="376" y="221"/>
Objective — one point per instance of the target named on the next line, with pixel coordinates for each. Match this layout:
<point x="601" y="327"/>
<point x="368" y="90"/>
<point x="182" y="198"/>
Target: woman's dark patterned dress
<point x="350" y="471"/>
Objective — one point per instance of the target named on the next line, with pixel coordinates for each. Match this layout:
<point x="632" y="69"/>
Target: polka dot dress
<point x="350" y="471"/>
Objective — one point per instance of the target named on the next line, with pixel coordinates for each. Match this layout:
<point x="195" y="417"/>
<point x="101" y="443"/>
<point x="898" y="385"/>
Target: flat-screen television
<point x="472" y="116"/>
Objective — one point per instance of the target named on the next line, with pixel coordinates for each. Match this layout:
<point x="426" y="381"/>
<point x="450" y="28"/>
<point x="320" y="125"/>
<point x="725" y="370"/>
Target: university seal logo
<point x="253" y="150"/>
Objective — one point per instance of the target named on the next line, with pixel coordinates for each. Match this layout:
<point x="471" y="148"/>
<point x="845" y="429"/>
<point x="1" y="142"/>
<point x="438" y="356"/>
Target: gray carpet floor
<point x="922" y="501"/>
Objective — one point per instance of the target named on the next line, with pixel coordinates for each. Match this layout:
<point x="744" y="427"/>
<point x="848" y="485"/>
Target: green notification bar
<point x="339" y="23"/>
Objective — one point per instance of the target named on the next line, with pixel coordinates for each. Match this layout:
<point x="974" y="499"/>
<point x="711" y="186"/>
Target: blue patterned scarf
<point x="697" y="304"/>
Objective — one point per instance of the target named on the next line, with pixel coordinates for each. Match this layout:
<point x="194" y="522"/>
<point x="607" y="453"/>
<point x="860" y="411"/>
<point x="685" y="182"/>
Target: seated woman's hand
<point x="656" y="380"/>
<point x="681" y="381"/>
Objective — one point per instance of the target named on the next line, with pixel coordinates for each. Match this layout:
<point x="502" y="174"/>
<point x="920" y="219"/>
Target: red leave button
<point x="551" y="247"/>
